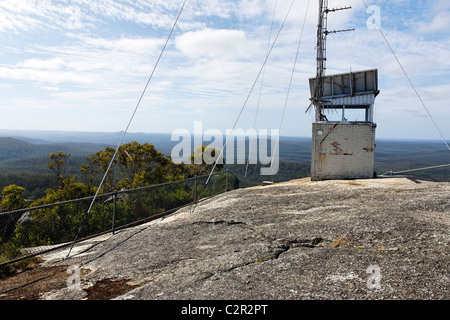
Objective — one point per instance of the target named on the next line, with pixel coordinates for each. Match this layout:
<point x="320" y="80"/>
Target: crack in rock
<point x="305" y="243"/>
<point x="276" y="253"/>
<point x="229" y="223"/>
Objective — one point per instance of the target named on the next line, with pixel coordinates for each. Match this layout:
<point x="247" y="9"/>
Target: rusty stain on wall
<point x="337" y="150"/>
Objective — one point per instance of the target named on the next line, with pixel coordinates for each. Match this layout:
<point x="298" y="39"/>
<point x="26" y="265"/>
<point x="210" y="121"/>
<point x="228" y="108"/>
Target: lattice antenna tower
<point x="322" y="32"/>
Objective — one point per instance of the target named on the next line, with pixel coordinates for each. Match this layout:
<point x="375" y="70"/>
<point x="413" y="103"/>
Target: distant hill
<point x="25" y="163"/>
<point x="162" y="142"/>
<point x="15" y="149"/>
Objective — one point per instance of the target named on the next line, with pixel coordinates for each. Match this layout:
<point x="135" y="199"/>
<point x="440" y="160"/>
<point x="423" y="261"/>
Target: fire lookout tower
<point x="343" y="134"/>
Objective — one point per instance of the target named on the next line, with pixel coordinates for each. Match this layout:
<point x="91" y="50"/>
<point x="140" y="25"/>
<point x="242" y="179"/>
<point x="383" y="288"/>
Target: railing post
<point x="226" y="181"/>
<point x="114" y="213"/>
<point x="195" y="189"/>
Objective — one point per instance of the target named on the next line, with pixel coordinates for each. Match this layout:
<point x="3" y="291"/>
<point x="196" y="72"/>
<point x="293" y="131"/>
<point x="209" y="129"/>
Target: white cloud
<point x="27" y="15"/>
<point x="129" y="45"/>
<point x="55" y="63"/>
<point x="55" y="89"/>
<point x="87" y="62"/>
<point x="210" y="43"/>
<point x="439" y="24"/>
<point x="44" y="76"/>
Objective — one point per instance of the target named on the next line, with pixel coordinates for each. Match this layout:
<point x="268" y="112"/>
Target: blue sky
<point x="81" y="65"/>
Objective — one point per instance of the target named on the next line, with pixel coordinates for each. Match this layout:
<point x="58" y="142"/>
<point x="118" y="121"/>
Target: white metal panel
<point x="363" y="99"/>
<point x="348" y="84"/>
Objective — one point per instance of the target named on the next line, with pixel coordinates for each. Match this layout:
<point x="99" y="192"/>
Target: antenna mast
<point x="322" y="33"/>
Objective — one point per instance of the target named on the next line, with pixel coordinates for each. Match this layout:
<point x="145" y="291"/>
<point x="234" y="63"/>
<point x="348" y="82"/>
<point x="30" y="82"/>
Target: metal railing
<point x="34" y="231"/>
<point x="392" y="172"/>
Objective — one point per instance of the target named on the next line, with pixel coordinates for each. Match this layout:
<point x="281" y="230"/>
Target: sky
<point x="82" y="65"/>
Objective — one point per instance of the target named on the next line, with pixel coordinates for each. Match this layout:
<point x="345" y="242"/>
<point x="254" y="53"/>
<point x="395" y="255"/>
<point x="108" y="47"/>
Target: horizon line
<point x="165" y="133"/>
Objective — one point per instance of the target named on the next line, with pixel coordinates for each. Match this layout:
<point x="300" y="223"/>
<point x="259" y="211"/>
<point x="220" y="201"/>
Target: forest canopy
<point x="135" y="166"/>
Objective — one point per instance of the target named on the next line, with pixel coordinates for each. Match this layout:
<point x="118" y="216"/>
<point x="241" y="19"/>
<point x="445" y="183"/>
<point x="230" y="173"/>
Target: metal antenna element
<point x="322" y="33"/>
